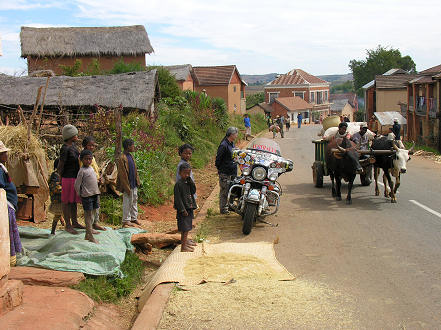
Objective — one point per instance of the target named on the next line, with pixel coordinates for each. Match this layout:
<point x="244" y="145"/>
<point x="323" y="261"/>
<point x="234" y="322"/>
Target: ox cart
<point x="320" y="169"/>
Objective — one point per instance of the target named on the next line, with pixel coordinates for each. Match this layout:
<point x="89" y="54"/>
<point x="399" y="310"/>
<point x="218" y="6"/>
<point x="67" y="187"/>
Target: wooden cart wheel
<point x="317" y="174"/>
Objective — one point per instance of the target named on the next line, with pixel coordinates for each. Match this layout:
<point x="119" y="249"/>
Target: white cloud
<point x="28" y="4"/>
<point x="321" y="35"/>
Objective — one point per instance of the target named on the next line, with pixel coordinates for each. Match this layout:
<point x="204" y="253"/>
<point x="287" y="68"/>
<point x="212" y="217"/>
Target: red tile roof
<point x="214" y="75"/>
<point x="297" y="77"/>
<point x="293" y="103"/>
<point x="434" y="70"/>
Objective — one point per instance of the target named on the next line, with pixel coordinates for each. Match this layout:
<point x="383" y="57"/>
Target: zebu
<point x="342" y="159"/>
<point x="393" y="164"/>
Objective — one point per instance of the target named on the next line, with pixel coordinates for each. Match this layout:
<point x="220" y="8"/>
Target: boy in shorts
<point x="184" y="203"/>
<point x="86" y="186"/>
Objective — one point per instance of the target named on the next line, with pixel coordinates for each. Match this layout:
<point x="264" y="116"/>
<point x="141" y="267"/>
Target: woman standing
<point x="68" y="168"/>
<point x="12" y="198"/>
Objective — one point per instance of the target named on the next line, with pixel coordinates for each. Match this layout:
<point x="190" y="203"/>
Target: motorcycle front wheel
<point x="249" y="215"/>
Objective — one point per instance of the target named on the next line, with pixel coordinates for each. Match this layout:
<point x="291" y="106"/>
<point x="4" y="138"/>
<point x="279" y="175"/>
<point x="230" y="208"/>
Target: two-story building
<point x="423" y="107"/>
<point x="297" y="82"/>
<point x="53" y="48"/>
<point x="224" y="82"/>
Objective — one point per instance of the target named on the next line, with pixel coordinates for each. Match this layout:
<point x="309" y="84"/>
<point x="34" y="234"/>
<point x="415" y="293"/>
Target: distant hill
<point x="336" y="79"/>
<point x="262" y="79"/>
<point x="259" y="79"/>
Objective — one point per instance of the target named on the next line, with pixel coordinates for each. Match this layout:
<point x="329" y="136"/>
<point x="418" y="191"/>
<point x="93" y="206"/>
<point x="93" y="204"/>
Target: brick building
<point x="291" y="107"/>
<point x="311" y="89"/>
<point x="51" y="48"/>
<point x="183" y="75"/>
<point x="224" y="82"/>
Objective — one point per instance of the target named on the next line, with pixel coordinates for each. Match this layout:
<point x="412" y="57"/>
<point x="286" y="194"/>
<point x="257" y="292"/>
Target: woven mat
<point x="220" y="263"/>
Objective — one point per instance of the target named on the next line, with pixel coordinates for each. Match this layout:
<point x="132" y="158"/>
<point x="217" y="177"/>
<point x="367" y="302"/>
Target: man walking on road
<point x="247" y="123"/>
<point x="299" y="120"/>
<point x="226" y="167"/>
<point x="281" y="123"/>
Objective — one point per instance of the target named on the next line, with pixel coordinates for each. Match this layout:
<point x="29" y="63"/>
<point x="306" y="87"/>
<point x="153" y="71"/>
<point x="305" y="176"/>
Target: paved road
<point x="386" y="257"/>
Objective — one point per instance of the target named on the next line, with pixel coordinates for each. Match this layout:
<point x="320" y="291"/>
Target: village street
<point x="384" y="256"/>
<point x="371" y="264"/>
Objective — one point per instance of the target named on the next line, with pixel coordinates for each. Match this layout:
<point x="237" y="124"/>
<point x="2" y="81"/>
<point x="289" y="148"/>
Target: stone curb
<point x="151" y="313"/>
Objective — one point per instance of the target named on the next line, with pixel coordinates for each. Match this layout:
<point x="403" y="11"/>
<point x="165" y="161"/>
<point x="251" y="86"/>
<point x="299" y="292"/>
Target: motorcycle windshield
<point x="265" y="145"/>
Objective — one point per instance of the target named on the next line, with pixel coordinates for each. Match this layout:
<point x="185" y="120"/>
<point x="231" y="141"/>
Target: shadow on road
<point x="320" y="199"/>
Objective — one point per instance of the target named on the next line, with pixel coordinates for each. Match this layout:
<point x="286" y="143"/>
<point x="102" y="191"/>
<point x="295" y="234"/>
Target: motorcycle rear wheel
<point x="249" y="215"/>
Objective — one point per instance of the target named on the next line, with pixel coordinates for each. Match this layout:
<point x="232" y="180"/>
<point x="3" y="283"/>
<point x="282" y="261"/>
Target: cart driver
<point x="360" y="138"/>
<point x="341" y="133"/>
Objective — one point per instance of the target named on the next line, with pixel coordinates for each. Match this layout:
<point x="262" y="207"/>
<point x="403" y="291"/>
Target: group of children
<point x="76" y="179"/>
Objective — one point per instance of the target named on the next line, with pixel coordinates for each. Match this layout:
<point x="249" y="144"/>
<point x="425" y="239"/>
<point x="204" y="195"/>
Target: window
<point x="272" y="96"/>
<point x="326" y="97"/>
<point x="312" y="97"/>
<point x="234" y="89"/>
<point x="299" y="94"/>
<point x="319" y="98"/>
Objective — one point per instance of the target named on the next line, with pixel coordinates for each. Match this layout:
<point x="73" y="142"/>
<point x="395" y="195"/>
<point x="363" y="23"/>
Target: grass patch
<point x="111" y="209"/>
<point x="408" y="145"/>
<point x="112" y="289"/>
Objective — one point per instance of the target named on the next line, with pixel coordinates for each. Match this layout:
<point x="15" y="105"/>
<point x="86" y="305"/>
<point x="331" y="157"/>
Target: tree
<point x="377" y="62"/>
<point x="254" y="99"/>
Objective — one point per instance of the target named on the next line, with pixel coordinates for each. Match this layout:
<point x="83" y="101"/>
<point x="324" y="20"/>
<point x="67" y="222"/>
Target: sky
<point x="320" y="36"/>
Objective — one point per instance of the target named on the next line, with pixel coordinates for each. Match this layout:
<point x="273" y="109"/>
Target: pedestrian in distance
<point x="89" y="143"/>
<point x="11" y="201"/>
<point x="281" y="123"/>
<point x="247" y="124"/>
<point x="269" y="122"/>
<point x="55" y="193"/>
<point x="299" y="120"/>
<point x="226" y="167"/>
<point x="68" y="168"/>
<point x="396" y="129"/>
<point x="185" y="151"/>
<point x="185" y="204"/>
<point x="288" y="123"/>
<point x="86" y="186"/>
<point x="128" y="182"/>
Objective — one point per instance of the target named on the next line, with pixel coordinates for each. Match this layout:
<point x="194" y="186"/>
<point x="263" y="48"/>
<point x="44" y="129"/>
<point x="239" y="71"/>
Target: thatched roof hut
<point x="85" y="41"/>
<point x="180" y="72"/>
<point x="134" y="90"/>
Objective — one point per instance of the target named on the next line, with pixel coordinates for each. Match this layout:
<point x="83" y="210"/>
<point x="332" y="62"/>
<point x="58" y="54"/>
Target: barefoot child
<point x="68" y="168"/>
<point x="89" y="143"/>
<point x="86" y="185"/>
<point x="184" y="204"/>
<point x="185" y="152"/>
<point x="55" y="192"/>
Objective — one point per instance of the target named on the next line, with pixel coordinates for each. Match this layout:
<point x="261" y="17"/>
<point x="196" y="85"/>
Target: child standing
<point x="184" y="203"/>
<point x="68" y="168"/>
<point x="186" y="151"/>
<point x="89" y="143"/>
<point x="86" y="185"/>
<point x="127" y="182"/>
<point x="55" y="193"/>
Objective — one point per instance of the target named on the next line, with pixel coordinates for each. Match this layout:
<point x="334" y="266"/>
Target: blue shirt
<point x="132" y="176"/>
<point x="247" y="122"/>
<point x="224" y="158"/>
<point x="9" y="187"/>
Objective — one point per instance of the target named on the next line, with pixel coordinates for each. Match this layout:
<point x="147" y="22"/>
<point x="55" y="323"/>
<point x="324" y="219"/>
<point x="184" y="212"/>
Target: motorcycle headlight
<point x="273" y="176"/>
<point x="259" y="173"/>
<point x="246" y="171"/>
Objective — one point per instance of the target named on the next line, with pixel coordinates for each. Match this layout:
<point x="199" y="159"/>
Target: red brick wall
<point x="288" y="92"/>
<point x="53" y="63"/>
<point x="278" y="110"/>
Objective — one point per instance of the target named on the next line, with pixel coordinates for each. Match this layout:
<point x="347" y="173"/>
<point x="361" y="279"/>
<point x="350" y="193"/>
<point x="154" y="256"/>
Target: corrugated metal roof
<point x="394" y="81"/>
<point x="369" y="84"/>
<point x="387" y="118"/>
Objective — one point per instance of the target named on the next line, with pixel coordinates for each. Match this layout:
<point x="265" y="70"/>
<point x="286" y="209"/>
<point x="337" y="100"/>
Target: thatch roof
<point x="85" y="41"/>
<point x="180" y="72"/>
<point x="135" y="90"/>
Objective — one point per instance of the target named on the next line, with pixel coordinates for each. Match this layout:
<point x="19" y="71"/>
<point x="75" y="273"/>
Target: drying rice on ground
<point x="259" y="304"/>
<point x="229" y="265"/>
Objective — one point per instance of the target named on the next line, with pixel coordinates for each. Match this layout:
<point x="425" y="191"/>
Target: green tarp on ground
<point x="69" y="252"/>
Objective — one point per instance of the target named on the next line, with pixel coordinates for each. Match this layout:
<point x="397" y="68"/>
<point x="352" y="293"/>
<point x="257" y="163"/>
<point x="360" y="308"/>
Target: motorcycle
<point x="256" y="193"/>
